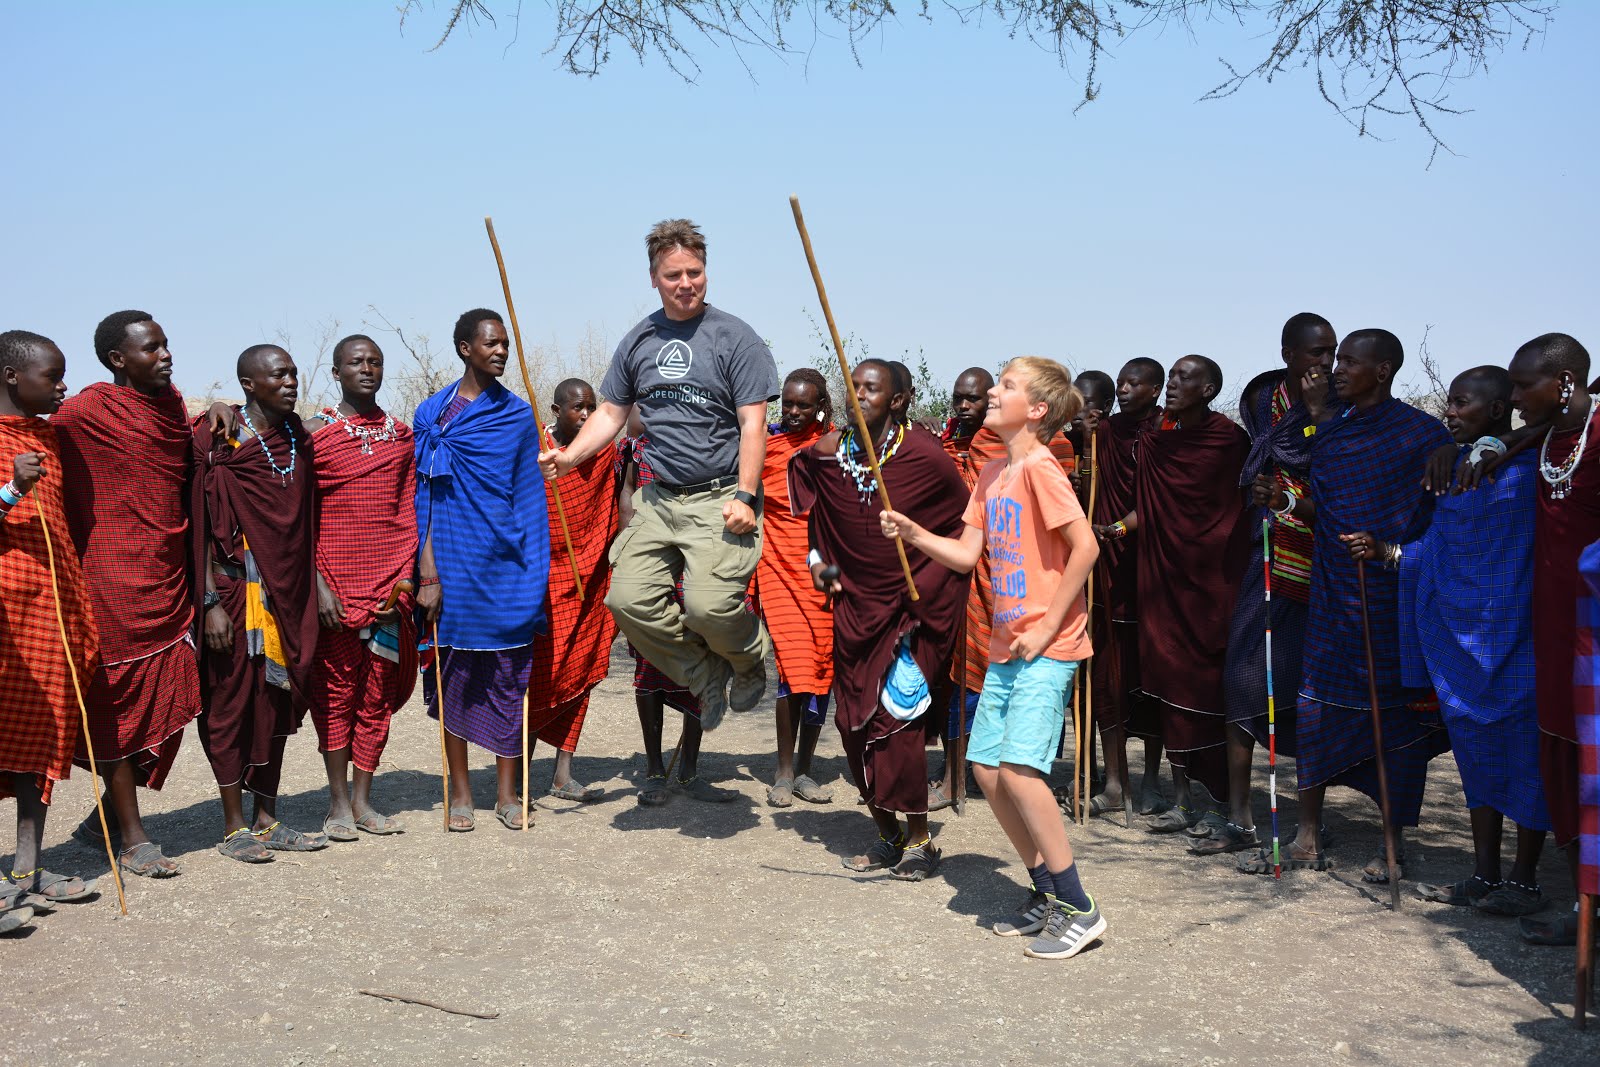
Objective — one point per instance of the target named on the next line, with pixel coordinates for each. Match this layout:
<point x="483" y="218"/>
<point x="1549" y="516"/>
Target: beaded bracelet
<point x="10" y="495"/>
<point x="1119" y="529"/>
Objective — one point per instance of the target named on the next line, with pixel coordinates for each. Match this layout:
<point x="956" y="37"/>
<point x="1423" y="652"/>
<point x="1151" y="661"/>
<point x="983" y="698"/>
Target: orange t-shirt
<point x="1021" y="510"/>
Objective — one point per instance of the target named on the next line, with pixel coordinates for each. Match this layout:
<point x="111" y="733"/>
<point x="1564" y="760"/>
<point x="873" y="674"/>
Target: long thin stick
<point x="1389" y="847"/>
<point x="1119" y="706"/>
<point x="1272" y="706"/>
<point x="83" y="710"/>
<point x="1077" y="740"/>
<point x="1088" y="664"/>
<point x="1580" y="1007"/>
<point x="525" y="754"/>
<point x="958" y="747"/>
<point x="428" y="1004"/>
<point x="533" y="402"/>
<point x="849" y="391"/>
<point x="438" y="693"/>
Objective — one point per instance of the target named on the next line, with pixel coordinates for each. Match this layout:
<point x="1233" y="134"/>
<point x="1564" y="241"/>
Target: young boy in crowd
<point x="1041" y="548"/>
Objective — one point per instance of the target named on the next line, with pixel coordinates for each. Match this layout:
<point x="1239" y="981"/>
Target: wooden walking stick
<point x="1580" y="1007"/>
<point x="849" y="391"/>
<point x="83" y="710"/>
<point x="958" y="746"/>
<point x="438" y="693"/>
<point x="526" y="754"/>
<point x="533" y="402"/>
<point x="1389" y="848"/>
<point x="1088" y="664"/>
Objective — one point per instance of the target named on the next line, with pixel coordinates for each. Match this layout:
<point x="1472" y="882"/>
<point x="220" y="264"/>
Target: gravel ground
<point x="700" y="934"/>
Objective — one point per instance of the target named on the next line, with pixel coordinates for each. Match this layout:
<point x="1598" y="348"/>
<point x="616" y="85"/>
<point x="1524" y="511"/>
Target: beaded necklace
<point x="1559" y="475"/>
<point x="285" y="474"/>
<point x="861" y="473"/>
<point x="365" y="434"/>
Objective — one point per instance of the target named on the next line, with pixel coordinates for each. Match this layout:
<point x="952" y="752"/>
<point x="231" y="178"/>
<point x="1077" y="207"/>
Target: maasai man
<point x="653" y="691"/>
<point x="702" y="380"/>
<point x="1466" y="630"/>
<point x="126" y="460"/>
<point x="1547" y="376"/>
<point x="1099" y="398"/>
<point x="251" y="509"/>
<point x="1121" y="709"/>
<point x="971" y="446"/>
<point x="1187" y="507"/>
<point x="876" y="624"/>
<point x="366" y="663"/>
<point x="574" y="656"/>
<point x="1276" y="474"/>
<point x="794" y="611"/>
<point x="481" y="521"/>
<point x="39" y="719"/>
<point x="1369" y="454"/>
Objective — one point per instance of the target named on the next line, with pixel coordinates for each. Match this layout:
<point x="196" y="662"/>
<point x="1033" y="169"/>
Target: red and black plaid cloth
<point x="125" y="460"/>
<point x="366" y="525"/>
<point x="38" y="706"/>
<point x="573" y="656"/>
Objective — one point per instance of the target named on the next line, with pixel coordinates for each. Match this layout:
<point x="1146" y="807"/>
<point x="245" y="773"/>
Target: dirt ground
<point x="700" y="934"/>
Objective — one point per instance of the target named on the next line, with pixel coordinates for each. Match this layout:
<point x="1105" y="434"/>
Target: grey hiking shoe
<point x="1066" y="932"/>
<point x="748" y="688"/>
<point x="714" y="698"/>
<point x="1028" y="919"/>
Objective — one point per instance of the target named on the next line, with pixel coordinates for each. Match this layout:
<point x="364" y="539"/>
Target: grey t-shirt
<point x="688" y="379"/>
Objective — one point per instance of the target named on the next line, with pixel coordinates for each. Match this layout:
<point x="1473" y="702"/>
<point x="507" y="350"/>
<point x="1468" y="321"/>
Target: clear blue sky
<point x="243" y="168"/>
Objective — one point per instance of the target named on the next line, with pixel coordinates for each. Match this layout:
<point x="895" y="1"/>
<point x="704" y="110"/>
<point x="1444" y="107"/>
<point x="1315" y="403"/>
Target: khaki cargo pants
<point x="672" y="534"/>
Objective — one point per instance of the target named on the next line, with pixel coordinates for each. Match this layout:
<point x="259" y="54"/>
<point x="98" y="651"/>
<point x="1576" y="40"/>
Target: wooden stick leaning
<point x="958" y="745"/>
<point x="1389" y="848"/>
<point x="83" y="710"/>
<point x="438" y="695"/>
<point x="1088" y="664"/>
<point x="533" y="401"/>
<point x="526" y="753"/>
<point x="849" y="391"/>
<point x="1585" y="973"/>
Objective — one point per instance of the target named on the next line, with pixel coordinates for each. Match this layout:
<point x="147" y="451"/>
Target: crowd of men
<point x="244" y="568"/>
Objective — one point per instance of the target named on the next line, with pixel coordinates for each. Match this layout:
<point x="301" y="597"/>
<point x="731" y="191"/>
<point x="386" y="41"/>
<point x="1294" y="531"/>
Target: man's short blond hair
<point x="1050" y="384"/>
<point x="670" y="234"/>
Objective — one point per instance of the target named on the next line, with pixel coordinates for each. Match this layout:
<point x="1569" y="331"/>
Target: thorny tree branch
<point x="1372" y="59"/>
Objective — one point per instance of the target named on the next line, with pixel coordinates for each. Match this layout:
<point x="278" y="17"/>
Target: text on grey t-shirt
<point x="688" y="380"/>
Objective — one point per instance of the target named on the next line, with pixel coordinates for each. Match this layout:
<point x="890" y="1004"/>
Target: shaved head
<point x="570" y="386"/>
<point x="1146" y="370"/>
<point x="1490" y="383"/>
<point x="253" y="359"/>
<point x="975" y="378"/>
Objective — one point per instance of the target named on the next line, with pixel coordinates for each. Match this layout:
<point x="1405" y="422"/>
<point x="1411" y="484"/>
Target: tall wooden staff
<point x="1088" y="664"/>
<point x="533" y="401"/>
<point x="1580" y="1007"/>
<point x="1390" y="851"/>
<point x="958" y="746"/>
<point x="83" y="711"/>
<point x="849" y="391"/>
<point x="555" y="489"/>
<point x="438" y="695"/>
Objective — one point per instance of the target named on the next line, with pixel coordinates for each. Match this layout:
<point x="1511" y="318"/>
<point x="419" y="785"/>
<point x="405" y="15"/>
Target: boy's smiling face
<point x="1009" y="407"/>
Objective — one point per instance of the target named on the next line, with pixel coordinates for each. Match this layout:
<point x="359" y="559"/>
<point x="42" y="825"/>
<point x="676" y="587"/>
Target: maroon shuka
<point x="236" y="498"/>
<point x="1190" y="554"/>
<point x="1116" y="611"/>
<point x="876" y="610"/>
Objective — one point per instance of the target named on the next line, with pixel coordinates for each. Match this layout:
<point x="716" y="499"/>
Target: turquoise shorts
<point x="1020" y="713"/>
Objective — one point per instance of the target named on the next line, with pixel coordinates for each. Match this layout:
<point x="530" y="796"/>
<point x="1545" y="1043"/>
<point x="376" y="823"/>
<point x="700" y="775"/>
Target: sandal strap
<point x="263" y="833"/>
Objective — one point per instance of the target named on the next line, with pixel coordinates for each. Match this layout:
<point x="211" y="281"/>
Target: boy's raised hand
<point x="896" y="525"/>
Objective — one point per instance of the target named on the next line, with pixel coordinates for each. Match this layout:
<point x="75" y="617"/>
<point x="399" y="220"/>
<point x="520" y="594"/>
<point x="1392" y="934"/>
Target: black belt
<point x="698" y="487"/>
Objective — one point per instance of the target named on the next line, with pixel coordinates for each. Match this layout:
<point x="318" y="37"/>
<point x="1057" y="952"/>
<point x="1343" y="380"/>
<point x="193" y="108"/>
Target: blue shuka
<point x="1366" y="473"/>
<point x="480" y="491"/>
<point x="1466" y="629"/>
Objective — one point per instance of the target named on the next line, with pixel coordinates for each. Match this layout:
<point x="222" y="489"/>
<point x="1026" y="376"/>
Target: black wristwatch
<point x="747" y="499"/>
<point x="212" y="599"/>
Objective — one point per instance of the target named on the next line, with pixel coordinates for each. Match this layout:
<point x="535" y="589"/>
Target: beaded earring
<point x="1566" y="395"/>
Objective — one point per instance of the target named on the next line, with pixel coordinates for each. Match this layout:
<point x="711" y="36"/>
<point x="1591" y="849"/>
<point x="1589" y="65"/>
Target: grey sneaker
<point x="1028" y="919"/>
<point x="748" y="688"/>
<point x="714" y="699"/>
<point x="1066" y="932"/>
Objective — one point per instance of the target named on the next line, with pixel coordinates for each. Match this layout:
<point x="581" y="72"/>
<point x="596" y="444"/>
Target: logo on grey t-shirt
<point x="674" y="359"/>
